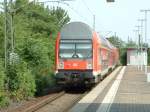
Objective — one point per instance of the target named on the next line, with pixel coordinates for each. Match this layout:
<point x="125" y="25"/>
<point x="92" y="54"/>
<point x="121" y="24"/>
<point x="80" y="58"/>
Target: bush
<point x="44" y="83"/>
<point x="40" y="60"/>
<point x="4" y="101"/>
<point x="123" y="56"/>
<point x="20" y="81"/>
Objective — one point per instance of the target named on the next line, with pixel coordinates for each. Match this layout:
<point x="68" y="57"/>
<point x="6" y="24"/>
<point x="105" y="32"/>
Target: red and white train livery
<point x="82" y="55"/>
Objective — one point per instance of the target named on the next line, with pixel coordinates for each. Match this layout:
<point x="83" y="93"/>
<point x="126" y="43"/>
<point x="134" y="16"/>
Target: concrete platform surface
<point x="133" y="94"/>
<point x="127" y="91"/>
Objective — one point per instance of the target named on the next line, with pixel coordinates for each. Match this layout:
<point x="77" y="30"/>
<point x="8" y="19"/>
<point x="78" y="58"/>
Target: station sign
<point x="13" y="58"/>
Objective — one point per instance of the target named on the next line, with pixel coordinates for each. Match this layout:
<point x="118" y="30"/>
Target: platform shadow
<point x="114" y="107"/>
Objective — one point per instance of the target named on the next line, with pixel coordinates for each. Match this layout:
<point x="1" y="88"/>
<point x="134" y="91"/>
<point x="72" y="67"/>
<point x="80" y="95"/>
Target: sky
<point x="120" y="17"/>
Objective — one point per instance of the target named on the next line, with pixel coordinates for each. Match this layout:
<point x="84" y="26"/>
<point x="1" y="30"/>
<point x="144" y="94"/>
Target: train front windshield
<point x="75" y="49"/>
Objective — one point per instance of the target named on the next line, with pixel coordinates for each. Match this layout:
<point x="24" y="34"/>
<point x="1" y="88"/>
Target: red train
<point x="82" y="56"/>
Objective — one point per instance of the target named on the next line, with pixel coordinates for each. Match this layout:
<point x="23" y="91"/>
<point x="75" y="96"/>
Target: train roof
<point x="111" y="45"/>
<point x="80" y="30"/>
<point x="76" y="30"/>
<point x="105" y="42"/>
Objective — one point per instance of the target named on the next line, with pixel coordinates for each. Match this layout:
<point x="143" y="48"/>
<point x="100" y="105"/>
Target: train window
<point x="67" y="46"/>
<point x="75" y="50"/>
<point x="84" y="50"/>
<point x="84" y="46"/>
<point x="100" y="57"/>
<point x="66" y="50"/>
<point x="104" y="54"/>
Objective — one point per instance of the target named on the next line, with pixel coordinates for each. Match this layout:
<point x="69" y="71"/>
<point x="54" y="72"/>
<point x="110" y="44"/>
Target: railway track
<point x="57" y="102"/>
<point x="37" y="103"/>
<point x="44" y="102"/>
<point x="61" y="104"/>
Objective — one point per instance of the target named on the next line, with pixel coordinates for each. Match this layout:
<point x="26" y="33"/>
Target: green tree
<point x="1" y="35"/>
<point x="21" y="83"/>
<point x="4" y="100"/>
<point x="35" y="29"/>
<point x="131" y="44"/>
<point x="120" y="44"/>
<point x="117" y="42"/>
<point x="60" y="15"/>
<point x="40" y="59"/>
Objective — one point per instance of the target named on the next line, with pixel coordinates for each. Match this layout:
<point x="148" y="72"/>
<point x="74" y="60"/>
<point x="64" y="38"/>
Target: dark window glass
<point x="75" y="49"/>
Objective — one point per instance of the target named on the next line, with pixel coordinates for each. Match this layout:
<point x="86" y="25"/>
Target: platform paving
<point x="133" y="94"/>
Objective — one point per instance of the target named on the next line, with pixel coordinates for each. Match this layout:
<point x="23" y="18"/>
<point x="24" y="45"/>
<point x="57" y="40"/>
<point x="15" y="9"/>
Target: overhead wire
<point x="91" y="12"/>
<point x="87" y="7"/>
<point x="77" y="12"/>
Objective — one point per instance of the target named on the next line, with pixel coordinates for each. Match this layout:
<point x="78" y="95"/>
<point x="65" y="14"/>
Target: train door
<point x="104" y="60"/>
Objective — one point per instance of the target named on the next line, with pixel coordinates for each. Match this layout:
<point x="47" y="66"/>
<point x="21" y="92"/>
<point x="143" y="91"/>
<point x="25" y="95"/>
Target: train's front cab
<point x="74" y="54"/>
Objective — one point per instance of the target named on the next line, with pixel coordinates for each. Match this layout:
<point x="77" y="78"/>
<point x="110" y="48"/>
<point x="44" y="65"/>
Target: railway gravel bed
<point x="54" y="102"/>
<point x="37" y="103"/>
<point x="34" y="103"/>
<point x="62" y="104"/>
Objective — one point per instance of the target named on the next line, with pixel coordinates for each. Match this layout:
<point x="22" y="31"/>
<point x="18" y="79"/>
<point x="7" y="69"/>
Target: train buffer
<point x="126" y="90"/>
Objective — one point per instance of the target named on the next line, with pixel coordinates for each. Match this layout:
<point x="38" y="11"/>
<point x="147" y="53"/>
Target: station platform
<point x="125" y="90"/>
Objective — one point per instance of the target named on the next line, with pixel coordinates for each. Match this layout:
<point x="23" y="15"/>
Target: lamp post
<point x="142" y="62"/>
<point x="139" y="45"/>
<point x="142" y="21"/>
<point x="145" y="11"/>
<point x="136" y="33"/>
<point x="136" y="38"/>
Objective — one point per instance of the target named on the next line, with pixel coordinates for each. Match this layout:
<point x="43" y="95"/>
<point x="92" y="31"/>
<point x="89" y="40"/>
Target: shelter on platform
<point x="136" y="57"/>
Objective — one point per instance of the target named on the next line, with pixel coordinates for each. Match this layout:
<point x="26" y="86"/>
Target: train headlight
<point x="61" y="65"/>
<point x="89" y="65"/>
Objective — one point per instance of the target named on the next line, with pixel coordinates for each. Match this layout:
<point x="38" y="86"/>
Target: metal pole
<point x="145" y="41"/>
<point x="94" y="22"/>
<point x="142" y="62"/>
<point x="139" y="38"/>
<point x="5" y="43"/>
<point x="145" y="11"/>
<point x="12" y="30"/>
<point x="136" y="35"/>
<point x="139" y="50"/>
<point x="115" y="34"/>
<point x="145" y="25"/>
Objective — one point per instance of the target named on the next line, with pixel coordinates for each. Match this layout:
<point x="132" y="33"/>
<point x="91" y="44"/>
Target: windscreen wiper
<point x="75" y="55"/>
